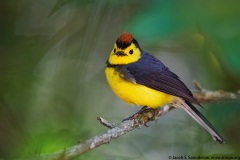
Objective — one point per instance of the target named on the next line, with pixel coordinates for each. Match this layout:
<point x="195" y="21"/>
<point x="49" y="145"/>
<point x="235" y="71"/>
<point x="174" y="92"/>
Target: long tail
<point x="194" y="113"/>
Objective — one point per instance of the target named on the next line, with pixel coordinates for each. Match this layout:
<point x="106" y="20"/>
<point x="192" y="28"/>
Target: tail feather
<point x="195" y="114"/>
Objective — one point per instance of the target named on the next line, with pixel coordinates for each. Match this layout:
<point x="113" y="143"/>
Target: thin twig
<point x="105" y="123"/>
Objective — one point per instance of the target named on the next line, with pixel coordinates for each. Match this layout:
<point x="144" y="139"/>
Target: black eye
<point x="131" y="51"/>
<point x="114" y="50"/>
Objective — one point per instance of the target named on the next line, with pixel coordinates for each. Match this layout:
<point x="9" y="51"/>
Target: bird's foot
<point x="136" y="114"/>
<point x="144" y="115"/>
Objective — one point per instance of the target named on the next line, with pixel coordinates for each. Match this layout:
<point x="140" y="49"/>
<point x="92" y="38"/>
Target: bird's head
<point x="126" y="50"/>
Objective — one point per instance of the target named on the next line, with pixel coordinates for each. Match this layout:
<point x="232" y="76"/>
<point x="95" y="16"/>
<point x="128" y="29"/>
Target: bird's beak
<point x="120" y="53"/>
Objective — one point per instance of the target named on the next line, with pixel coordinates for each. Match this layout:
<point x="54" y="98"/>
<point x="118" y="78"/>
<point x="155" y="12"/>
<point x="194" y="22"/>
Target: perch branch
<point x="206" y="96"/>
<point x="115" y="131"/>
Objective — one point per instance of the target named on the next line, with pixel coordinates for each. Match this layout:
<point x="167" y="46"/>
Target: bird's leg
<point x="136" y="114"/>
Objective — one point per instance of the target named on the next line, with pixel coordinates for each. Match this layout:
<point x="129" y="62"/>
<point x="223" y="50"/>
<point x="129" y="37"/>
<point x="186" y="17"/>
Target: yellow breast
<point x="135" y="93"/>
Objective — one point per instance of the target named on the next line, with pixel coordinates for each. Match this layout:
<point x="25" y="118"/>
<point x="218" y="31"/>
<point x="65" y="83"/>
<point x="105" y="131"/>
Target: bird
<point x="140" y="79"/>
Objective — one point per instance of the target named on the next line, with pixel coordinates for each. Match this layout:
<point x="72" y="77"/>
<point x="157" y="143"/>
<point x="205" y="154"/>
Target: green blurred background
<point x="52" y="82"/>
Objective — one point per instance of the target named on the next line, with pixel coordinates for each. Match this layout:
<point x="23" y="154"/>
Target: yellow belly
<point x="135" y="93"/>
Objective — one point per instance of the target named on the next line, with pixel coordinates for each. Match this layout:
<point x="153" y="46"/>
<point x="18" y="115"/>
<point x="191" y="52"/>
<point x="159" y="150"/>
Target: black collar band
<point x="113" y="65"/>
<point x="109" y="64"/>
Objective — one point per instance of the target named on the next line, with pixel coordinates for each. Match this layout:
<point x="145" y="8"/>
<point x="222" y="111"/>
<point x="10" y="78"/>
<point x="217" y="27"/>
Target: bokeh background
<point x="52" y="82"/>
